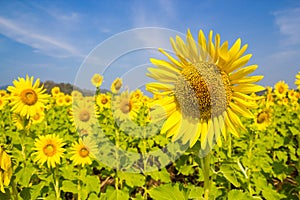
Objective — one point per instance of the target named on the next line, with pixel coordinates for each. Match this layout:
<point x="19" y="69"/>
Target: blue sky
<point x="51" y="39"/>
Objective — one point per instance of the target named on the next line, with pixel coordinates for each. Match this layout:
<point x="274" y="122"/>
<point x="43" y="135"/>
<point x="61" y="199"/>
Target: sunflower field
<point x="208" y="131"/>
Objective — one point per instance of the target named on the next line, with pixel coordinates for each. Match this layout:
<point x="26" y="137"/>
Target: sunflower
<point x="292" y="95"/>
<point x="116" y="85"/>
<point x="27" y="98"/>
<point x="55" y="91"/>
<point x="68" y="100"/>
<point x="281" y="89"/>
<point x="38" y="117"/>
<point x="125" y="108"/>
<point x="84" y="114"/>
<point x="76" y="94"/>
<point x="97" y="80"/>
<point x="49" y="148"/>
<point x="297" y="82"/>
<point x="83" y="152"/>
<point x="2" y="102"/>
<point x="3" y="93"/>
<point x="205" y="88"/>
<point x="103" y="101"/>
<point x="60" y="100"/>
<point x="5" y="169"/>
<point x="263" y="119"/>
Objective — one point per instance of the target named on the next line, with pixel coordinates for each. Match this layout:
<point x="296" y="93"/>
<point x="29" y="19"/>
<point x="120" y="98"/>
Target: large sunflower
<point x="205" y="88"/>
<point x="49" y="148"/>
<point x="27" y="98"/>
<point x="297" y="82"/>
<point x="83" y="152"/>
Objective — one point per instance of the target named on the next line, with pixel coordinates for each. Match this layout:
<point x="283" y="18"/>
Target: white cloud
<point x="288" y="22"/>
<point x="19" y="32"/>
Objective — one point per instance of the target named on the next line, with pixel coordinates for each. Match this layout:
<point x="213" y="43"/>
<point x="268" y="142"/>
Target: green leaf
<point x="162" y="175"/>
<point x="230" y="174"/>
<point x="69" y="186"/>
<point x="196" y="193"/>
<point x="167" y="192"/>
<point x="132" y="179"/>
<point x="92" y="183"/>
<point x="113" y="194"/>
<point x="238" y="194"/>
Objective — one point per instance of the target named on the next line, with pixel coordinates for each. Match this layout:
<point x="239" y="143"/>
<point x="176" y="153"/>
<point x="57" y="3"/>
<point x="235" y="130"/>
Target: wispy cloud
<point x="288" y="22"/>
<point x="41" y="42"/>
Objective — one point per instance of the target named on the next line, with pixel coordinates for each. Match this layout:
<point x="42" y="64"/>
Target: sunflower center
<point x="104" y="100"/>
<point x="281" y="90"/>
<point x="202" y="91"/>
<point x="262" y="117"/>
<point x="125" y="106"/>
<point x="84" y="152"/>
<point x="29" y="97"/>
<point x="49" y="150"/>
<point x="84" y="116"/>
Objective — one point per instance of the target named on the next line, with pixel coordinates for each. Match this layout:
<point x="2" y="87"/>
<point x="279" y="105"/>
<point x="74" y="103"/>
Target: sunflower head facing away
<point x="49" y="148"/>
<point x="27" y="98"/>
<point x="204" y="90"/>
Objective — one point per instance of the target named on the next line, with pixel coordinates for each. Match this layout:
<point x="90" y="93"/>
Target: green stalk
<point x="206" y="170"/>
<point x="14" y="189"/>
<point x="79" y="182"/>
<point x="56" y="183"/>
<point x="117" y="160"/>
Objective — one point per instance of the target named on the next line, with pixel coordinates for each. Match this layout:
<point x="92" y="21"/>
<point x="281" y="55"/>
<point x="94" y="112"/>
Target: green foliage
<point x="261" y="164"/>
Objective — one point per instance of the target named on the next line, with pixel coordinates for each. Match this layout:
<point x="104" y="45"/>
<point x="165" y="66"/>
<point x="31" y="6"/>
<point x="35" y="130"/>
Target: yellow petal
<point x="248" y="88"/>
<point x="245" y="80"/>
<point x="241" y="110"/>
<point x="171" y="121"/>
<point x="238" y="63"/>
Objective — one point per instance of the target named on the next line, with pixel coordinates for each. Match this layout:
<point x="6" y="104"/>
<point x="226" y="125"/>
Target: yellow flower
<point x="3" y="93"/>
<point x="97" y="80"/>
<point x="55" y="91"/>
<point x="76" y="94"/>
<point x="297" y="82"/>
<point x="103" y="101"/>
<point x="125" y="108"/>
<point x="2" y="102"/>
<point x="137" y="94"/>
<point x="27" y="98"/>
<point x="281" y="89"/>
<point x="292" y="95"/>
<point x="60" y="100"/>
<point x="263" y="119"/>
<point x="5" y="169"/>
<point x="83" y="152"/>
<point x="84" y="114"/>
<point x="68" y="100"/>
<point x="49" y="148"/>
<point x="203" y="89"/>
<point x="38" y="117"/>
<point x="116" y="85"/>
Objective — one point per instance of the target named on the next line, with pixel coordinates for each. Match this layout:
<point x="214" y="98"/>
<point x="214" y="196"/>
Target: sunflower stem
<point x="79" y="182"/>
<point x="56" y="183"/>
<point x="117" y="160"/>
<point x="206" y="170"/>
<point x="14" y="189"/>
